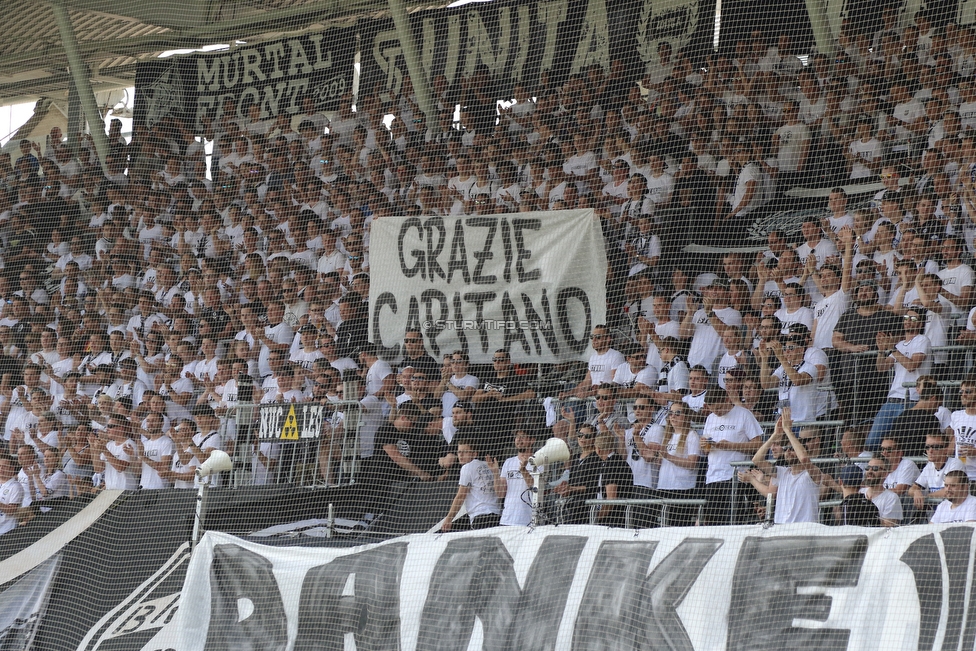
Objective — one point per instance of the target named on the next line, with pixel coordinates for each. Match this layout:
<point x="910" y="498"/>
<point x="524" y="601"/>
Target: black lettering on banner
<point x="428" y="298"/>
<point x="522" y="254"/>
<point x="766" y="599"/>
<point x="459" y="323"/>
<point x="608" y="613"/>
<point x="543" y="600"/>
<point x="474" y="577"/>
<point x="922" y="558"/>
<point x="432" y="225"/>
<point x="666" y="588"/>
<point x="413" y="314"/>
<point x="513" y="334"/>
<point x="238" y="576"/>
<point x="957" y="543"/>
<point x="479" y="299"/>
<point x="545" y="320"/>
<point x="459" y="255"/>
<point x="372" y="614"/>
<point x="485" y="254"/>
<point x="418" y="254"/>
<point x="383" y="300"/>
<point x="565" y="326"/>
<point x="507" y="246"/>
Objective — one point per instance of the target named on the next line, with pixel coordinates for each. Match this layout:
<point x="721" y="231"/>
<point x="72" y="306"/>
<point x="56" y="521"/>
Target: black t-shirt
<point x="615" y="472"/>
<point x="583" y="472"/>
<point x="858" y="511"/>
<point x="422" y="449"/>
<point x="350" y="337"/>
<point x="501" y="415"/>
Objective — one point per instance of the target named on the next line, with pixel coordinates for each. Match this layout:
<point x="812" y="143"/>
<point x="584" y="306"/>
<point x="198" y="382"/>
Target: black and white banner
<point x="530" y="283"/>
<point x="587" y="588"/>
<point x="519" y="41"/>
<point x="292" y="422"/>
<point x="22" y="606"/>
<point x="277" y="76"/>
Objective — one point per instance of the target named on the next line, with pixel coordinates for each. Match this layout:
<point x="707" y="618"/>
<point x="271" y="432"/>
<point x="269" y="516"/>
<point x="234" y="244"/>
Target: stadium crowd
<point x="143" y="300"/>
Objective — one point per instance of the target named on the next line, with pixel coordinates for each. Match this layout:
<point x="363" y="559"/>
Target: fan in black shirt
<point x="616" y="480"/>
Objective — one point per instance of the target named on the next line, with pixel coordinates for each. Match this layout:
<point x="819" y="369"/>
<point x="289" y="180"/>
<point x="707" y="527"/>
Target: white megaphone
<point x="219" y="461"/>
<point x="554" y="451"/>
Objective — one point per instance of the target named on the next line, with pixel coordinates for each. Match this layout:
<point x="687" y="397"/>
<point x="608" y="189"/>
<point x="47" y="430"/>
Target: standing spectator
<point x="706" y="325"/>
<point x="117" y="456"/>
<point x="795" y="378"/>
<point x="584" y="476"/>
<point x="156" y="454"/>
<point x="910" y="357"/>
<point x="11" y="493"/>
<point x="603" y="362"/>
<point x="616" y="480"/>
<point x="476" y="490"/>
<point x="796" y="484"/>
<point x="792" y="145"/>
<point x="679" y="462"/>
<point x="513" y="480"/>
<point x="731" y="433"/>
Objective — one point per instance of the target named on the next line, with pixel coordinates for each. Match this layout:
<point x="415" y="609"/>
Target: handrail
<point x="663" y="502"/>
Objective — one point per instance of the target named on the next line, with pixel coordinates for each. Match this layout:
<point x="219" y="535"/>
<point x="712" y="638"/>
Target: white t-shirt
<point x="888" y="503"/>
<point x="124" y="480"/>
<point x="796" y="497"/>
<point x="826" y="314"/>
<point x="481" y="498"/>
<point x="965" y="512"/>
<point x="934" y="479"/>
<point x="802" y="315"/>
<point x="706" y="345"/>
<point x="517" y="511"/>
<point x="803" y="400"/>
<point x="737" y="426"/>
<point x="11" y="492"/>
<point x="645" y="473"/>
<point x="918" y="344"/>
<point x="821" y="251"/>
<point x="671" y="477"/>
<point x="906" y="473"/>
<point x="156" y="450"/>
<point x="602" y="367"/>
<point x="954" y="280"/>
<point x="964" y="427"/>
<point x="375" y="376"/>
<point x="864" y="152"/>
<point x="791" y="139"/>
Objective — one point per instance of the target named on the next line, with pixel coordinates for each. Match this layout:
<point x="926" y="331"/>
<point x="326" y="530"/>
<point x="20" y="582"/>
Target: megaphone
<point x="554" y="451"/>
<point x="219" y="461"/>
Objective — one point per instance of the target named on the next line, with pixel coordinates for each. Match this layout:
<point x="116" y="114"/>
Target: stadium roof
<point x="113" y="35"/>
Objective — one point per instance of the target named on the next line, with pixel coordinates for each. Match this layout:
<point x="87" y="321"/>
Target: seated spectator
<point x="931" y="481"/>
<point x="959" y="505"/>
<point x="856" y="509"/>
<point x="888" y="502"/>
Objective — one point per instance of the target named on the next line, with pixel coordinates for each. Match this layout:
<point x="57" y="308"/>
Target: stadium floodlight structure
<point x="554" y="451"/>
<point x="218" y="461"/>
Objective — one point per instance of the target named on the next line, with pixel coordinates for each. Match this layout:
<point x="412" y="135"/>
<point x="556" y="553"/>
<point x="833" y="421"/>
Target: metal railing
<point x="628" y="505"/>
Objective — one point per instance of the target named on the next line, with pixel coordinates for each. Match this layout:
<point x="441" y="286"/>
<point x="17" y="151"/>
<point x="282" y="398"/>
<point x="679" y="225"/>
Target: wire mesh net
<point x="570" y="324"/>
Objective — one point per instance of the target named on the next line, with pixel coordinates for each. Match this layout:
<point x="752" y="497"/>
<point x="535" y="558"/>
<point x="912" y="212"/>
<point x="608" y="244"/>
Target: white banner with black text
<point x="533" y="284"/>
<point x="803" y="586"/>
